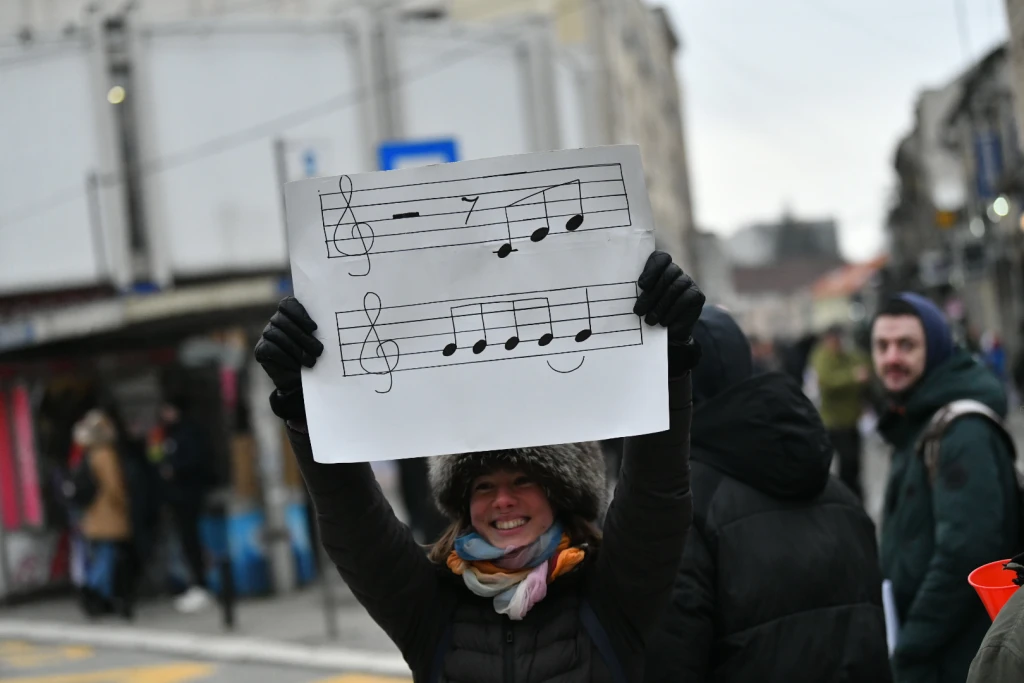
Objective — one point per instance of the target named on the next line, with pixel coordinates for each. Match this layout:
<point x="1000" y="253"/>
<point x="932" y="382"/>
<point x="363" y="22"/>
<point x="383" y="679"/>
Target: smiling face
<point x="509" y="509"/>
<point x="898" y="350"/>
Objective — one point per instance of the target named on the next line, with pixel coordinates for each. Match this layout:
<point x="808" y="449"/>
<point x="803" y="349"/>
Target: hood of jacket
<point x="766" y="433"/>
<point x="761" y="430"/>
<point x="959" y="377"/>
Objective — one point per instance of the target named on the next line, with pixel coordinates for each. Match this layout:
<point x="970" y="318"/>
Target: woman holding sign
<point x="524" y="586"/>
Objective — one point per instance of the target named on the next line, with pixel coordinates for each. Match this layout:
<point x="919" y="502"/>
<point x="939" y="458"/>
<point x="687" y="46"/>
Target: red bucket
<point x="994" y="585"/>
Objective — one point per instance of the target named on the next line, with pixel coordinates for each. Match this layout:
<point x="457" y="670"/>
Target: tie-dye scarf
<point x="516" y="578"/>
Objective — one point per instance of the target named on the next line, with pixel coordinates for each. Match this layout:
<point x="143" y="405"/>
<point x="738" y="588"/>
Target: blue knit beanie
<point x="937" y="334"/>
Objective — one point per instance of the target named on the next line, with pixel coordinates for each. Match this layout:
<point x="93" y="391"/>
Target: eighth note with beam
<point x="439" y="334"/>
<point x="575" y="219"/>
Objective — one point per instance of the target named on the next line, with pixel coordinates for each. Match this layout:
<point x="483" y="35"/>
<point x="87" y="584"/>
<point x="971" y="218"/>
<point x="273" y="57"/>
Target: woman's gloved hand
<point x="670" y="298"/>
<point x="287" y="344"/>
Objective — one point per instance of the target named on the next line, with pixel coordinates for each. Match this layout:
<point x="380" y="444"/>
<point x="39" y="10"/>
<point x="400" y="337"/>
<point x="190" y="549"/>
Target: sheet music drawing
<point x="477" y="305"/>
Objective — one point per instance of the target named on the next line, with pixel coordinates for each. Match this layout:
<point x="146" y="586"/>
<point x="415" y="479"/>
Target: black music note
<point x="577" y="220"/>
<point x="548" y="336"/>
<point x="506" y="249"/>
<point x="381" y="350"/>
<point x="571" y="225"/>
<point x="584" y="334"/>
<point x="474" y="201"/>
<point x="480" y="345"/>
<point x="357" y="227"/>
<point x="513" y="341"/>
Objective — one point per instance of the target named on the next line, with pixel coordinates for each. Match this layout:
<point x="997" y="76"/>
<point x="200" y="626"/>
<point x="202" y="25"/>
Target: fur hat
<point x="572" y="475"/>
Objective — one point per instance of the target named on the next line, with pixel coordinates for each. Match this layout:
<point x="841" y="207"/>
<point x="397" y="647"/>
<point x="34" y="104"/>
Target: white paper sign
<point x="477" y="305"/>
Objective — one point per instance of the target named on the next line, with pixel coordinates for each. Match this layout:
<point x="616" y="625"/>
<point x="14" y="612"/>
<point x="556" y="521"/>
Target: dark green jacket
<point x="933" y="537"/>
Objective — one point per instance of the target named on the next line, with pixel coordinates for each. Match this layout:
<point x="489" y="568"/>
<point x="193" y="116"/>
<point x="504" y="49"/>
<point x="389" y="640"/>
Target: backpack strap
<point x="931" y="439"/>
<point x="600" y="638"/>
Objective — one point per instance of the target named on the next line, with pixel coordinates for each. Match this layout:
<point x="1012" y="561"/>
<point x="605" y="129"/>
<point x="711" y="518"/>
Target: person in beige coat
<point x="106" y="521"/>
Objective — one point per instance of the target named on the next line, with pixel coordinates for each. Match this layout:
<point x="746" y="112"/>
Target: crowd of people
<point x="728" y="550"/>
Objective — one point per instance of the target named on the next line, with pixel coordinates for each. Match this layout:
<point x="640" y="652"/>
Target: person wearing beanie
<point x="524" y="585"/>
<point x="947" y="512"/>
<point x="780" y="578"/>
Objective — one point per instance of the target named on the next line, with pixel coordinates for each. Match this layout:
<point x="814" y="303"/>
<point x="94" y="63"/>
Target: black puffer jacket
<point x="780" y="579"/>
<point x="447" y="633"/>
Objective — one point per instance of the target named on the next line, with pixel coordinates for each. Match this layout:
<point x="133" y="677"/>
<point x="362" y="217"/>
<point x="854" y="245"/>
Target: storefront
<point x="207" y="359"/>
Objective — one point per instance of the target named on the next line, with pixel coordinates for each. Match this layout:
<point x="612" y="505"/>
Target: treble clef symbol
<point x="372" y="310"/>
<point x="345" y="187"/>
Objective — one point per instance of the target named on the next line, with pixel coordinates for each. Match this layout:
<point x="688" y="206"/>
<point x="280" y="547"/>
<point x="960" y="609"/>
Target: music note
<point x="481" y="343"/>
<point x="571" y="225"/>
<point x="506" y="249"/>
<point x="576" y="221"/>
<point x="372" y="312"/>
<point x="345" y="188"/>
<point x="513" y="341"/>
<point x="584" y="334"/>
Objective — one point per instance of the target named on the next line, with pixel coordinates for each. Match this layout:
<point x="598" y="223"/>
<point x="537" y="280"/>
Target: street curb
<point x="223" y="648"/>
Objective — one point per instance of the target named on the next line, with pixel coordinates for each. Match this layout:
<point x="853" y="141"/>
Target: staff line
<point x="535" y="191"/>
<point x="488" y="177"/>
<point x="575" y="200"/>
<point x="503" y="327"/>
<point x="458" y="227"/>
<point x="502" y="298"/>
<point x="476" y="300"/>
<point x="467" y="244"/>
<point x="497" y="360"/>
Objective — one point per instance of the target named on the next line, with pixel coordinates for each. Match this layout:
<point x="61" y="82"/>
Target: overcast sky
<point x="800" y="103"/>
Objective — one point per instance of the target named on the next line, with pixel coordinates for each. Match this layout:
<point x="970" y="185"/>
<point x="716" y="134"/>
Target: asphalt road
<point x="22" y="662"/>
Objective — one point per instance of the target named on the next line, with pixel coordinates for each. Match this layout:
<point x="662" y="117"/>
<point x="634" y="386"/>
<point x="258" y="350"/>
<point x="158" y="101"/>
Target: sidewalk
<point x="289" y="629"/>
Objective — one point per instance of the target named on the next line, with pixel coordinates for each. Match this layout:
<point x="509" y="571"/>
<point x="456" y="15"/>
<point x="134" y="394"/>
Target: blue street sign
<point x="407" y="153"/>
<point x="988" y="155"/>
<point x="309" y="163"/>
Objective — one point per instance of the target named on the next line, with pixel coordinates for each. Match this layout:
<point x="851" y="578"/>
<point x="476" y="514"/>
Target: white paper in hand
<point x="478" y="305"/>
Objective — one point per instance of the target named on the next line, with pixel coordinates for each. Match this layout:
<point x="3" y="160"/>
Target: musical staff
<point x="503" y="210"/>
<point x="383" y="340"/>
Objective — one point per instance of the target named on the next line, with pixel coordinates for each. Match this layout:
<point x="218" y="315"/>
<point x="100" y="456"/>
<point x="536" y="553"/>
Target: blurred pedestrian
<point x="780" y="578"/>
<point x="523" y="585"/>
<point x="1000" y="658"/>
<point x="797" y="356"/>
<point x="106" y="520"/>
<point x="842" y="376"/>
<point x="424" y="519"/>
<point x="947" y="512"/>
<point x="178" y="451"/>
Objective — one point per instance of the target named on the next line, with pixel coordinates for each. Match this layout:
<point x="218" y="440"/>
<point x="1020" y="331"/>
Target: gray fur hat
<point x="572" y="475"/>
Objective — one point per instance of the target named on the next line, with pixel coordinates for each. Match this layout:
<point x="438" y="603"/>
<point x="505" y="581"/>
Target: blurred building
<point x="774" y="267"/>
<point x="845" y="296"/>
<point x="716" y="270"/>
<point x="954" y="224"/>
<point x="630" y="48"/>
<point x="142" y="242"/>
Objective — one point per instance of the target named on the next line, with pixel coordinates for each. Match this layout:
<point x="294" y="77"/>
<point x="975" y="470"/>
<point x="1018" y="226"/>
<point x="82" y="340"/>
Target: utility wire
<point x="274" y="126"/>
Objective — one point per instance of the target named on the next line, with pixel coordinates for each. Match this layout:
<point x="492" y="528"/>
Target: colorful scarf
<point x="516" y="578"/>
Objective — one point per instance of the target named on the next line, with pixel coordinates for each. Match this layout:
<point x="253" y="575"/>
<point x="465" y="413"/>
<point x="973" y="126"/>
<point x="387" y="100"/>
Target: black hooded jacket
<point x="780" y="578"/>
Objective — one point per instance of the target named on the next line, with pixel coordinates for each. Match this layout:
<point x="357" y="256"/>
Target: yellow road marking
<point x="163" y="673"/>
<point x="22" y="655"/>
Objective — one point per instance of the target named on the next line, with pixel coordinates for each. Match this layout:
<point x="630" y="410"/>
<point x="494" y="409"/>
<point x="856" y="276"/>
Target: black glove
<point x="286" y="345"/>
<point x="670" y="298"/>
